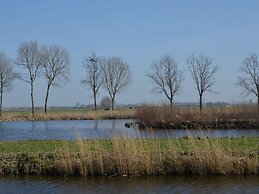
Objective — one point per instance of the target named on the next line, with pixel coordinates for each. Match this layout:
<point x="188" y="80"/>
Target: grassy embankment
<point x="125" y="156"/>
<point x="233" y="117"/>
<point x="64" y="114"/>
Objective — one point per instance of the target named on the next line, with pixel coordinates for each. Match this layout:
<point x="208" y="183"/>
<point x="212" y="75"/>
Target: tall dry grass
<point x="127" y="156"/>
<point x="158" y="116"/>
<point x="134" y="157"/>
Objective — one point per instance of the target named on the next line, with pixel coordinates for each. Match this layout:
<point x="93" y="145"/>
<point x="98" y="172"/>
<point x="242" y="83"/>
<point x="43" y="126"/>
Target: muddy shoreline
<point x="200" y="124"/>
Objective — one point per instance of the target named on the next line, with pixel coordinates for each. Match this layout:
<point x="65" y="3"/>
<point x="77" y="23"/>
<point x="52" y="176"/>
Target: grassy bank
<point x="192" y="156"/>
<point x="233" y="117"/>
<point x="63" y="114"/>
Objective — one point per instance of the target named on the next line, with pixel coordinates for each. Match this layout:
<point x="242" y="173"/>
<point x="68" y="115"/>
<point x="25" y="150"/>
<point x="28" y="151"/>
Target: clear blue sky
<point x="137" y="31"/>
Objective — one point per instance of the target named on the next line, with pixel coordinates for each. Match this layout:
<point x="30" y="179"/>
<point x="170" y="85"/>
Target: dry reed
<point x="126" y="156"/>
<point x="238" y="116"/>
<point x="134" y="156"/>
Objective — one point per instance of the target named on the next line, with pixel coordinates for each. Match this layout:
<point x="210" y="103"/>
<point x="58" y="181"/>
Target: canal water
<point x="91" y="129"/>
<point x="156" y="184"/>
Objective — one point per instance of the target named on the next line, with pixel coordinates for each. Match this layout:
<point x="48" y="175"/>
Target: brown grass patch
<point x="238" y="116"/>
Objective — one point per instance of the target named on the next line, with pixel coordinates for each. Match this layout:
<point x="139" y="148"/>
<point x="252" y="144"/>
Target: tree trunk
<point x="46" y="99"/>
<point x="200" y="103"/>
<point x="32" y="100"/>
<point x="95" y="104"/>
<point x="113" y="99"/>
<point x="171" y="104"/>
<point x="258" y="106"/>
<point x="1" y="102"/>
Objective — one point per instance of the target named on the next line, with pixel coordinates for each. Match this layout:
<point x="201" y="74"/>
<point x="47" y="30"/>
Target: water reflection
<point x="155" y="184"/>
<point x="95" y="125"/>
<point x="89" y="129"/>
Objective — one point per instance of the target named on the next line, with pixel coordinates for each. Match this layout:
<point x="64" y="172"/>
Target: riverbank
<point x="201" y="124"/>
<point x="69" y="114"/>
<point x="132" y="157"/>
<point x="234" y="117"/>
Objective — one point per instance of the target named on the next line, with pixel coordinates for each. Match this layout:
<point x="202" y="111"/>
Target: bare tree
<point x="106" y="103"/>
<point x="116" y="75"/>
<point x="93" y="79"/>
<point x="56" y="67"/>
<point x="166" y="77"/>
<point x="30" y="58"/>
<point x="203" y="72"/>
<point x="250" y="79"/>
<point x="7" y="76"/>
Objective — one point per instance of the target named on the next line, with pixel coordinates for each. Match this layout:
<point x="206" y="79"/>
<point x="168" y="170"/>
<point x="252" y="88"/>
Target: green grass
<point x="35" y="146"/>
<point x="237" y="145"/>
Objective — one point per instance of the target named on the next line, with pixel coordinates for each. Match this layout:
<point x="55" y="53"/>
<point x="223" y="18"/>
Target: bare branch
<point x="250" y="79"/>
<point x="116" y="75"/>
<point x="202" y="73"/>
<point x="166" y="77"/>
<point x="30" y="59"/>
<point x="56" y="67"/>
<point x="7" y="76"/>
<point x="93" y="79"/>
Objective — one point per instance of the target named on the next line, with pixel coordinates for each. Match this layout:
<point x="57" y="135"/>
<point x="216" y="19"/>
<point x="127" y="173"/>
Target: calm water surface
<point x="90" y="129"/>
<point x="156" y="184"/>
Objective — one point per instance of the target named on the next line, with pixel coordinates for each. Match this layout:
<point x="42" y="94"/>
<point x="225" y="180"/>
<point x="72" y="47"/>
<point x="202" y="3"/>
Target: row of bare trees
<point x="167" y="78"/>
<point x="53" y="63"/>
<point x="111" y="73"/>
